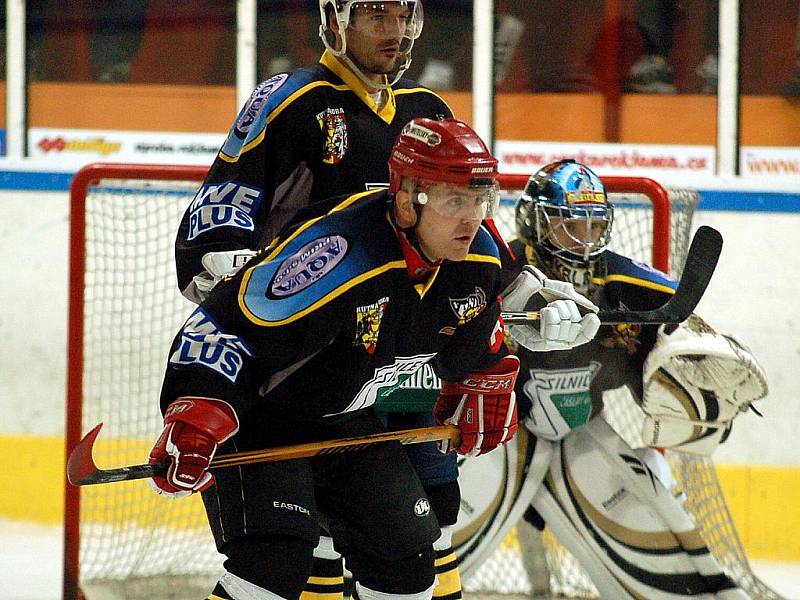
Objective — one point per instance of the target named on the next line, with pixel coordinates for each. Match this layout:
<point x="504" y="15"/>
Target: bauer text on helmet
<point x="446" y="166"/>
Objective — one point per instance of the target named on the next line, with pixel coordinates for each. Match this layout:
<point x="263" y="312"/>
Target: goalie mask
<point x="383" y="24"/>
<point x="445" y="165"/>
<point x="565" y="216"/>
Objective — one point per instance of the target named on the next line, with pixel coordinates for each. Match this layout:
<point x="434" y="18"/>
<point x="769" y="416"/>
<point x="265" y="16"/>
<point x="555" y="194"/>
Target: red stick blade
<point x="80" y="465"/>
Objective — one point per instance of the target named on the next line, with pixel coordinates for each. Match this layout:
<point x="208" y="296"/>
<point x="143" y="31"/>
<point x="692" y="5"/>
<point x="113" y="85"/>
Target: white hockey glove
<point x="218" y="265"/>
<point x="560" y="325"/>
<point x="696" y="381"/>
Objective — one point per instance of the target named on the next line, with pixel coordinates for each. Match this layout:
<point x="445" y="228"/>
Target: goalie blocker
<point x="696" y="381"/>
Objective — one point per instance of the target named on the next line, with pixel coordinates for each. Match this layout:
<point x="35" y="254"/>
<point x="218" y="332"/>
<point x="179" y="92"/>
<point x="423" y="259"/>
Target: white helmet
<point x="342" y="10"/>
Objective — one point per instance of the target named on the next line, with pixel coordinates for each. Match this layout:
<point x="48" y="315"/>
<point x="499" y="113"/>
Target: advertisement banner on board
<point x="124" y="146"/>
<point x="667" y="164"/>
<point x="774" y="162"/>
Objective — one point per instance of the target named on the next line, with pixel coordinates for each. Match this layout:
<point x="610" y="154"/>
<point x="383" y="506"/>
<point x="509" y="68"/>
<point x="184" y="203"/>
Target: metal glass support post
<point x="483" y="70"/>
<point x="15" y="79"/>
<point x="728" y="90"/>
<point x="246" y="18"/>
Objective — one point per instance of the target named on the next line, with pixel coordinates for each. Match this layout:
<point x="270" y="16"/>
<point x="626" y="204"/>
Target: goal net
<point x="124" y="541"/>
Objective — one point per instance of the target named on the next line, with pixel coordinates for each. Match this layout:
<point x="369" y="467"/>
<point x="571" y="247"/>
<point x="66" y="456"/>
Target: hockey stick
<point x="82" y="470"/>
<point x="697" y="271"/>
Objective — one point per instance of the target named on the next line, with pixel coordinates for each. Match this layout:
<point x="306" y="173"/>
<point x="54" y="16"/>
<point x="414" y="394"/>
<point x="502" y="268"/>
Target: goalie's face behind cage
<point x="565" y="215"/>
<point x="444" y="181"/>
<point x="374" y="39"/>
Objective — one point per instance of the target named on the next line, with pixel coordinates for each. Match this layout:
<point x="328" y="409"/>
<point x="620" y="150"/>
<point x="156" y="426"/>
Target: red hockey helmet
<point x="441" y="151"/>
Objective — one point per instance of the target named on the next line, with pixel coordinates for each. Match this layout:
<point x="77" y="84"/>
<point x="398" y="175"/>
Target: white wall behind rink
<point x="755" y="293"/>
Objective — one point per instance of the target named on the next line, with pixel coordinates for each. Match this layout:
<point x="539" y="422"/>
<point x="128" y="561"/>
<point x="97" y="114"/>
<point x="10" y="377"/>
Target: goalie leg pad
<point x="629" y="532"/>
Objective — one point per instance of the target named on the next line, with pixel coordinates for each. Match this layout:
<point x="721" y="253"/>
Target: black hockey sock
<point x="326" y="581"/>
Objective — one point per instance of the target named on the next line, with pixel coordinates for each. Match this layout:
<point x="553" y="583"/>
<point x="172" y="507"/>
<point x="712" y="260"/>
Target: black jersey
<point x="327" y="320"/>
<point x="614" y="358"/>
<point x="313" y="133"/>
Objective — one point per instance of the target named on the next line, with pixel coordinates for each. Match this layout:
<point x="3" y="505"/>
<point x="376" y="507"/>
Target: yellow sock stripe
<point x="449" y="579"/>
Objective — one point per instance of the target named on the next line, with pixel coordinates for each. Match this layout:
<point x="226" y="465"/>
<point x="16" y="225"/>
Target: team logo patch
<point x="202" y="343"/>
<point x="229" y="204"/>
<point x="422" y="508"/>
<point x="568" y="390"/>
<point x="333" y="123"/>
<point x="470" y="307"/>
<point x="368" y="322"/>
<point x="257" y="102"/>
<point x="309" y="264"/>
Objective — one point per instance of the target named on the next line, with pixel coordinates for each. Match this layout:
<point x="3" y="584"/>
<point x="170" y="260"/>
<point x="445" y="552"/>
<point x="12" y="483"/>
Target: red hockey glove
<point x="193" y="428"/>
<point x="482" y="406"/>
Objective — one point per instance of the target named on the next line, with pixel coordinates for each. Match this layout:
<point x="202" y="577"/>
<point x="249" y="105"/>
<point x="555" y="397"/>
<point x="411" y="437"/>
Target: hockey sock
<point x="326" y="581"/>
<point x="445" y="500"/>
<point x="448" y="586"/>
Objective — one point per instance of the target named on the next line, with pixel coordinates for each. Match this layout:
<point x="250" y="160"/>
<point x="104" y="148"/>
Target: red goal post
<point x="123" y="295"/>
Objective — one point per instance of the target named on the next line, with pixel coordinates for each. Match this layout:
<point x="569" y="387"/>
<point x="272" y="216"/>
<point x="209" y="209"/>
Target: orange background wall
<point x="650" y="119"/>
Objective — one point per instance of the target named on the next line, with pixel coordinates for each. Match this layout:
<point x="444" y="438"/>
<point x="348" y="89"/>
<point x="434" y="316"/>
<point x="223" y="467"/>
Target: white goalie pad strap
<point x="630" y="533"/>
<point x="702" y="378"/>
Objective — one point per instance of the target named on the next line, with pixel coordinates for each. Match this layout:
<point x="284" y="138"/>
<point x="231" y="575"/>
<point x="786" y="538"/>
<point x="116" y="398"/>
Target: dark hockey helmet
<point x="444" y="151"/>
<point x="565" y="215"/>
<point x="344" y="12"/>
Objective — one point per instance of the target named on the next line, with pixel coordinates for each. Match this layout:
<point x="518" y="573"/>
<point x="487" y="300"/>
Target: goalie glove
<point x="482" y="406"/>
<point x="219" y="265"/>
<point x="193" y="429"/>
<point x="561" y="325"/>
<point x="696" y="381"/>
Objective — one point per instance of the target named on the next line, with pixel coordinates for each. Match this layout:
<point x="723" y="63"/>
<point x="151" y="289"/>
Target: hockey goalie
<point x="614" y="507"/>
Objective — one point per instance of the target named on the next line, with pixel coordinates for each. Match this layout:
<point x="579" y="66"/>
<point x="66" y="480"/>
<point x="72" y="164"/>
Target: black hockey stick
<point x="697" y="271"/>
<point x="82" y="470"/>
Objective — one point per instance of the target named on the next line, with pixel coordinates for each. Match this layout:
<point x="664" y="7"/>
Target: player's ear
<point x="404" y="211"/>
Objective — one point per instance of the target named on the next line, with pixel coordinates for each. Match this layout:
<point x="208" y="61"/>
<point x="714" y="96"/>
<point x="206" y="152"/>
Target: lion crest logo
<point x="368" y="322"/>
<point x="333" y="123"/>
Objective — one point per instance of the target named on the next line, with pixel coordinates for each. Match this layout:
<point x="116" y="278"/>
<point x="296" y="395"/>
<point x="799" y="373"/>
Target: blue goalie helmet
<point x="565" y="216"/>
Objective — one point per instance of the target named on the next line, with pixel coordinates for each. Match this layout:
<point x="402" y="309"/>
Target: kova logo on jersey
<point x="202" y="343"/>
<point x="368" y="323"/>
<point x="333" y="123"/>
<point x="257" y="102"/>
<point x="470" y="307"/>
<point x="228" y="204"/>
<point x="309" y="264"/>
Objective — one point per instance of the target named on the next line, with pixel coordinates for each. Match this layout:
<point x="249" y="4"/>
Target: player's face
<point x="375" y="35"/>
<point x="445" y="237"/>
<point x="576" y="234"/>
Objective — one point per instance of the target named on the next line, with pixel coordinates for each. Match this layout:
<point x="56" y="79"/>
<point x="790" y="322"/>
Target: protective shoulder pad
<point x="320" y="261"/>
<point x="268" y="99"/>
<point x="621" y="269"/>
<point x="484" y="248"/>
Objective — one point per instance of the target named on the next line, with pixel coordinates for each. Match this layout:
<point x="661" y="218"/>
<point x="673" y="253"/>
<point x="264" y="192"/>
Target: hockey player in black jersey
<point x="300" y="343"/>
<point x="612" y="506"/>
<point x="303" y="137"/>
<point x="310" y="134"/>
